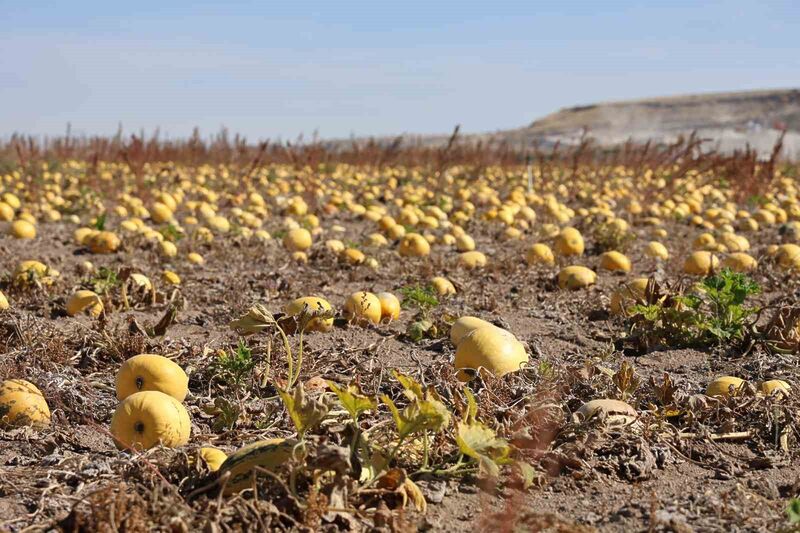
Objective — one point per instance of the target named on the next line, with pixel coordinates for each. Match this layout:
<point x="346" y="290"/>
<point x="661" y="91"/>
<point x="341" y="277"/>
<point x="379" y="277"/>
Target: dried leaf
<point x="392" y="479"/>
<point x="256" y="320"/>
<point x="352" y="400"/>
<point x="625" y="380"/>
<point x="305" y="413"/>
<point x="415" y="495"/>
<point x="396" y="480"/>
<point x="166" y="321"/>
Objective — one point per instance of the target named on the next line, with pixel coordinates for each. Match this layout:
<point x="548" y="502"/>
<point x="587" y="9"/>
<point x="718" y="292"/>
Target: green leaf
<point x="420" y="415"/>
<point x="409" y="385"/>
<point x="370" y="469"/>
<point x="422" y="297"/>
<point x="434" y="413"/>
<point x="472" y="407"/>
<point x="421" y="329"/>
<point x="793" y="511"/>
<point x="403" y="425"/>
<point x="352" y="400"/>
<point x="426" y="412"/>
<point x="480" y="442"/>
<point x="527" y="473"/>
<point x="100" y="222"/>
<point x="227" y="414"/>
<point x="305" y="413"/>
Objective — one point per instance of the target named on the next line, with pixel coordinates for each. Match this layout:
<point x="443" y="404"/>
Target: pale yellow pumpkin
<point x="576" y="277"/>
<point x="212" y="457"/>
<point x="464" y="326"/>
<point x="297" y="240"/>
<point x="151" y="372"/>
<point x="22" y="229"/>
<point x="414" y="245"/>
<point x="103" y="242"/>
<point x="615" y="262"/>
<point x="22" y="404"/>
<point x="540" y="254"/>
<point x="722" y="386"/>
<point x="149" y="418"/>
<point x="84" y="300"/>
<point x="700" y="263"/>
<point x="443" y="286"/>
<point x="312" y="306"/>
<point x="472" y="260"/>
<point x="489" y="349"/>
<point x="569" y="242"/>
<point x="390" y="306"/>
<point x="362" y="308"/>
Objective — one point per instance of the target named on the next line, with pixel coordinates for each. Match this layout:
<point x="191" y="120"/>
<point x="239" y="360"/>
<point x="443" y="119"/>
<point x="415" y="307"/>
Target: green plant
<point x="234" y="366"/>
<point x="663" y="320"/>
<point x="100" y="222"/>
<point x="421" y="329"/>
<point x="104" y="281"/>
<point x="712" y="312"/>
<point x="258" y="319"/>
<point x="545" y="369"/>
<point x="305" y="412"/>
<point x="608" y="236"/>
<point x="423" y="298"/>
<point x="171" y="233"/>
<point x="793" y="511"/>
<point x="479" y="442"/>
<point x="726" y="293"/>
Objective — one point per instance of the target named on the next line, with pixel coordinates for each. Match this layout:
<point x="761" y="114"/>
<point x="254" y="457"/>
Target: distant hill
<point x="739" y="110"/>
<point x="728" y="120"/>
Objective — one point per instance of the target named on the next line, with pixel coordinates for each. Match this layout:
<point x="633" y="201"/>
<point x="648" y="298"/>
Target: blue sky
<point x="278" y="69"/>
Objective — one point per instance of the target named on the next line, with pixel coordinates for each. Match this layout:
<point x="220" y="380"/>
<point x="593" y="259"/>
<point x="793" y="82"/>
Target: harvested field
<point x="426" y="450"/>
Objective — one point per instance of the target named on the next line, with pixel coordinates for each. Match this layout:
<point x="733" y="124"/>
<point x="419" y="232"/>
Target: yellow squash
<point x="151" y="372"/>
<point x="723" y="386"/>
<point x="22" y="404"/>
<point x="312" y="306"/>
<point x="241" y="467"/>
<point x="362" y="308"/>
<point x="489" y="349"/>
<point x="148" y="418"/>
<point x="576" y="277"/>
<point x="414" y="245"/>
<point x="390" y="306"/>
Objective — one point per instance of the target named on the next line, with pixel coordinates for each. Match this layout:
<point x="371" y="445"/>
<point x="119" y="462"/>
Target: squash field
<point x="211" y="336"/>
